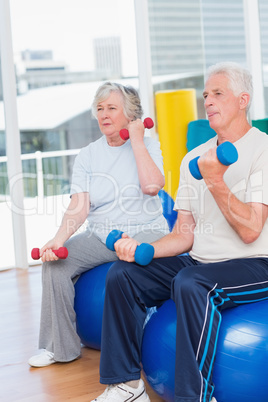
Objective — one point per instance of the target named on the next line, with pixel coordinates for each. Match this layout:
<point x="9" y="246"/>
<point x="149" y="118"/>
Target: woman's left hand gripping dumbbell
<point x="129" y="249"/>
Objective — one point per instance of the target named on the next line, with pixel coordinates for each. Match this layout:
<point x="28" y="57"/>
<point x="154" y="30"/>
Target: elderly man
<point x="222" y="223"/>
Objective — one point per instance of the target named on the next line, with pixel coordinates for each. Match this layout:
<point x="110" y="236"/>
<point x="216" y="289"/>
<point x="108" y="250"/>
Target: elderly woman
<point x="114" y="186"/>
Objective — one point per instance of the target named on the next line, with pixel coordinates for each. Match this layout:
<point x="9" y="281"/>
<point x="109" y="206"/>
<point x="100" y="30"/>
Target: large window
<point x="6" y="236"/>
<point x="61" y="49"/>
<point x="177" y="50"/>
<point x="64" y="49"/>
<point x="263" y="9"/>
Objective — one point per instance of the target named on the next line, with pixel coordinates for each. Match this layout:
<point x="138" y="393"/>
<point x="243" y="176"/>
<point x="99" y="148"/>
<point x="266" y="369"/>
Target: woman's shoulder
<point x="92" y="146"/>
<point x="89" y="152"/>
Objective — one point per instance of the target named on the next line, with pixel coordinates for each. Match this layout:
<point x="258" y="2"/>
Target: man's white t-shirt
<point x="214" y="239"/>
<point x="110" y="176"/>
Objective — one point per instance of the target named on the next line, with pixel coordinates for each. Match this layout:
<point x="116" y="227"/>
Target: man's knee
<point x="184" y="283"/>
<point x="117" y="272"/>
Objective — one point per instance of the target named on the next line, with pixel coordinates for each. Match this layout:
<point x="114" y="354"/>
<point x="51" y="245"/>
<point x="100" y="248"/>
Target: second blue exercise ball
<point x="241" y="365"/>
<point x="240" y="371"/>
<point x="88" y="305"/>
<point x="158" y="350"/>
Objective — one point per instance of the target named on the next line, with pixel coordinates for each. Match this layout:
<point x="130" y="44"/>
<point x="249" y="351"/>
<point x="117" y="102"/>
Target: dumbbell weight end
<point x="112" y="238"/>
<point x="144" y="254"/>
<point x="148" y="122"/>
<point x="194" y="168"/>
<point x="227" y="153"/>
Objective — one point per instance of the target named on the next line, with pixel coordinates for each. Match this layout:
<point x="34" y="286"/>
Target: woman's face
<point x="111" y="116"/>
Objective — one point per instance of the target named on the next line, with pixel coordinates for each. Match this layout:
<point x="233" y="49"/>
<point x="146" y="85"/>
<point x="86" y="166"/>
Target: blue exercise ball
<point x="168" y="211"/>
<point x="158" y="350"/>
<point x="88" y="305"/>
<point x="90" y="290"/>
<point x="240" y="370"/>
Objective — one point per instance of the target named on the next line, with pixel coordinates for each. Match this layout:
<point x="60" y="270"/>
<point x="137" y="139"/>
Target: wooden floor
<point x="20" y="298"/>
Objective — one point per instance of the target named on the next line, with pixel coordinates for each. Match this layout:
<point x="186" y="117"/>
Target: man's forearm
<point x="242" y="217"/>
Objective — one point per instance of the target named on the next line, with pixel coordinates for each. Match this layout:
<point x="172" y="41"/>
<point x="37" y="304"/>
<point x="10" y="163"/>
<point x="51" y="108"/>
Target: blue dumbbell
<point x="226" y="153"/>
<point x="144" y="252"/>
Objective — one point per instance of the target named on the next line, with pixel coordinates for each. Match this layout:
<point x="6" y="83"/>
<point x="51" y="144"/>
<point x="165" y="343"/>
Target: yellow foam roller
<point x="174" y="110"/>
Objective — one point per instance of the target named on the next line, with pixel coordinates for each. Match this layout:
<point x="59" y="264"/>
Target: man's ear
<point x="244" y="100"/>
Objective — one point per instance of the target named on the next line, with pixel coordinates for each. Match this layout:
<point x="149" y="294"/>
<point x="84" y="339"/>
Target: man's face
<point x="221" y="105"/>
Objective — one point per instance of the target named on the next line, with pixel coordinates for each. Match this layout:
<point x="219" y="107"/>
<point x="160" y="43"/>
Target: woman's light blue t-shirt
<point x="110" y="176"/>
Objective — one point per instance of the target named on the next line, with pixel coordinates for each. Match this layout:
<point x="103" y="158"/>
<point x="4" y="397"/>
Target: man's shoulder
<point x="255" y="137"/>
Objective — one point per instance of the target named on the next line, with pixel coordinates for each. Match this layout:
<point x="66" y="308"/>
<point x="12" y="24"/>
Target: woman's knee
<point x="54" y="271"/>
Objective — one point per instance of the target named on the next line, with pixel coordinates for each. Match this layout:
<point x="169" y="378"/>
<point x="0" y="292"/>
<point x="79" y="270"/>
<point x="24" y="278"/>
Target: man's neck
<point x="233" y="133"/>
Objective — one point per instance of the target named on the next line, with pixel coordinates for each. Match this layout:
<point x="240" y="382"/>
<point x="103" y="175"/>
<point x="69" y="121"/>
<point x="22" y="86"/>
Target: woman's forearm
<point x="74" y="217"/>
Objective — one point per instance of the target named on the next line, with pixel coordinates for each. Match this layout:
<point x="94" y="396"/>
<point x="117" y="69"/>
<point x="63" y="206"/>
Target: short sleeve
<point x="81" y="173"/>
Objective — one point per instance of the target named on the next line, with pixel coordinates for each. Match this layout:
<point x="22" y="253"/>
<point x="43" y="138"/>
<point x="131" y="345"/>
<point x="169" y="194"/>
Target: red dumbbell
<point x="62" y="253"/>
<point x="148" y="123"/>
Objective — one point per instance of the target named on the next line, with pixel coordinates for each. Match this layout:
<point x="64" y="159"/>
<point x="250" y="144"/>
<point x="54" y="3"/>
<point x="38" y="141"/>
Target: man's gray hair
<point x="239" y="77"/>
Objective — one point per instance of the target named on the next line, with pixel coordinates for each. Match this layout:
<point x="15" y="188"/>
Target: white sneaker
<point x="122" y="392"/>
<point x="43" y="359"/>
<point x="213" y="399"/>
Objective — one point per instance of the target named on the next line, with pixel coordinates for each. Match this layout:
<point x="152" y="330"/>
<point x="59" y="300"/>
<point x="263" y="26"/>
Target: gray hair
<point x="240" y="78"/>
<point x="131" y="100"/>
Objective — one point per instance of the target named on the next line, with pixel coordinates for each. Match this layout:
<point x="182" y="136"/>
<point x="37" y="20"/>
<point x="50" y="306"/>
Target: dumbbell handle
<point x="226" y="153"/>
<point x="124" y="134"/>
<point x="62" y="253"/>
<point x="144" y="252"/>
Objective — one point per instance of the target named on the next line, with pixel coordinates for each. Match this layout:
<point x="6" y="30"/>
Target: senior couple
<point x="223" y="267"/>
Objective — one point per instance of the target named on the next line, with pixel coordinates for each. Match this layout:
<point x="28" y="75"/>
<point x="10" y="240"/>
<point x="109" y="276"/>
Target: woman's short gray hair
<point x="131" y="100"/>
<point x="239" y="77"/>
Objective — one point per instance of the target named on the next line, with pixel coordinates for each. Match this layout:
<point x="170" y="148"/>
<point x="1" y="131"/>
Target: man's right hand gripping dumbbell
<point x="143" y="254"/>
